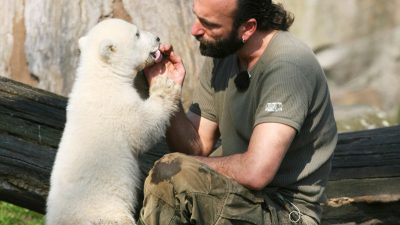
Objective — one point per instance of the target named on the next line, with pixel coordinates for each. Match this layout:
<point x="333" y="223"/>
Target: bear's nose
<point x="157" y="39"/>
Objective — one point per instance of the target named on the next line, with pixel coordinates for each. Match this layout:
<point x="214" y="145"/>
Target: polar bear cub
<point x="96" y="172"/>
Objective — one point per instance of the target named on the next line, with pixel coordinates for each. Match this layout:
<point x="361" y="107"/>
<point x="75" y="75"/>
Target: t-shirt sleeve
<point x="203" y="96"/>
<point x="285" y="94"/>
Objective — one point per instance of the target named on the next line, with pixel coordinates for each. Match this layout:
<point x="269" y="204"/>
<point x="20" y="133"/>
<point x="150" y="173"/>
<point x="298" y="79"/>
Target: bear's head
<point x="120" y="46"/>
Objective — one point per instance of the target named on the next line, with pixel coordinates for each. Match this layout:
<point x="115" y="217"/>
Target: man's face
<point x="221" y="47"/>
<point x="213" y="27"/>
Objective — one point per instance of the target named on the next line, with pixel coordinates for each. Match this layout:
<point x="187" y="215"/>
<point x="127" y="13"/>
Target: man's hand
<point x="171" y="66"/>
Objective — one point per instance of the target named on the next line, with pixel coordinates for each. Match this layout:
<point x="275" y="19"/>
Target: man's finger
<point x="166" y="48"/>
<point x="174" y="58"/>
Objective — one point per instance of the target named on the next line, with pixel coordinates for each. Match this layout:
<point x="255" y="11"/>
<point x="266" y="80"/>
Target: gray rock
<point x="357" y="42"/>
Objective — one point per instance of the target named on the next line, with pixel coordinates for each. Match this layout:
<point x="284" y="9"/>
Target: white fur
<point x="96" y="172"/>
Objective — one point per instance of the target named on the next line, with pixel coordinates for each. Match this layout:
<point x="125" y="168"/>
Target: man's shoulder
<point x="286" y="48"/>
<point x="288" y="40"/>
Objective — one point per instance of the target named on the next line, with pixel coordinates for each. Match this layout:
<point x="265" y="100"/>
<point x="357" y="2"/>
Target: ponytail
<point x="269" y="16"/>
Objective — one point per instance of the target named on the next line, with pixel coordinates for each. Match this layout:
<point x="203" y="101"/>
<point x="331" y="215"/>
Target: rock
<point x="357" y="45"/>
<point x="354" y="40"/>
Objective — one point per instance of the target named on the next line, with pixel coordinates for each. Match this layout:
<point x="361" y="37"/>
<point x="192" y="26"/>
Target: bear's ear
<point x="107" y="48"/>
<point x="82" y="42"/>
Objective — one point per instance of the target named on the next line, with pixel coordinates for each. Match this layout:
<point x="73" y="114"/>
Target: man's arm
<point x="192" y="134"/>
<point x="256" y="167"/>
<point x="196" y="135"/>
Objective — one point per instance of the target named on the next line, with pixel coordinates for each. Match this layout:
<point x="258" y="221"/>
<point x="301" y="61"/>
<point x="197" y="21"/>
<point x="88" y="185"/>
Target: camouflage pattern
<point x="181" y="190"/>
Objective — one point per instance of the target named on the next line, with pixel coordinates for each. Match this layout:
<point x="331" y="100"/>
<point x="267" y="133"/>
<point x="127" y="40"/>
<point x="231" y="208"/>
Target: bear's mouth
<point x="156" y="55"/>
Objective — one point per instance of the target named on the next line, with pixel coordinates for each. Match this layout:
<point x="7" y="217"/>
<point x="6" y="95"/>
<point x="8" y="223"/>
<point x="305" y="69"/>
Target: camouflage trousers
<point x="181" y="190"/>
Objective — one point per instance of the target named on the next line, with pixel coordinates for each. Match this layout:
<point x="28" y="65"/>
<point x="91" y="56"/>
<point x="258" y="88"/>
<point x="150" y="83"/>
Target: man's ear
<point x="247" y="29"/>
<point x="106" y="49"/>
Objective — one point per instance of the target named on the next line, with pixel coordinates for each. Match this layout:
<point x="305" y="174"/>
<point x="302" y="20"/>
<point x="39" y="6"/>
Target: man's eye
<point x="137" y="34"/>
<point x="210" y="25"/>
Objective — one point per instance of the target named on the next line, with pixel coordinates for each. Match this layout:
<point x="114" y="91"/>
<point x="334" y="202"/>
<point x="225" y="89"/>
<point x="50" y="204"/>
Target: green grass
<point x="14" y="215"/>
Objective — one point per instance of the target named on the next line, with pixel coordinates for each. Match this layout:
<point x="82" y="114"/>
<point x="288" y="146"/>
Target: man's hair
<point x="269" y="16"/>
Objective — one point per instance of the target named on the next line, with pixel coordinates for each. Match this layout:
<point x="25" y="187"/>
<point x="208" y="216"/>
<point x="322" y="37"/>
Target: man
<point x="267" y="99"/>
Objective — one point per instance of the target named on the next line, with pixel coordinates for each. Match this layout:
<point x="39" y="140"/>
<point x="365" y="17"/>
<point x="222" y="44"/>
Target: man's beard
<point x="221" y="47"/>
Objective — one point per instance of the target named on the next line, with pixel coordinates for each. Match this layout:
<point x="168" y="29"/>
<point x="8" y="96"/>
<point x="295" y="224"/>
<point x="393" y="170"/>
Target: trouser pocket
<point x="240" y="210"/>
<point x="281" y="212"/>
<point x="271" y="211"/>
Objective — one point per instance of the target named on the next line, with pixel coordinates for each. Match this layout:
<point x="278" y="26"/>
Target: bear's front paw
<point x="166" y="89"/>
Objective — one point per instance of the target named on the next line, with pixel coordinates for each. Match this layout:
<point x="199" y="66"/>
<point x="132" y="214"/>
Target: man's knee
<point x="173" y="168"/>
<point x="184" y="173"/>
<point x="165" y="168"/>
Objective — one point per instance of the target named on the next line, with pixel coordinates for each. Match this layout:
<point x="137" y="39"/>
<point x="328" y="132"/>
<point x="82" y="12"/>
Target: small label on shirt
<point x="274" y="107"/>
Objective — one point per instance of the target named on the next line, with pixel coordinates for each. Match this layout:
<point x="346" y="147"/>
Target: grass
<point x="14" y="215"/>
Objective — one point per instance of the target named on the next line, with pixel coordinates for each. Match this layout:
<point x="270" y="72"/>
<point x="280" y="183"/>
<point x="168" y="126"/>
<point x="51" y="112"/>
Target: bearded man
<point x="265" y="97"/>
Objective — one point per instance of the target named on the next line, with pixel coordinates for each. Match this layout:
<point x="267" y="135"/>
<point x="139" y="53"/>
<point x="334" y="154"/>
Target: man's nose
<point x="197" y="29"/>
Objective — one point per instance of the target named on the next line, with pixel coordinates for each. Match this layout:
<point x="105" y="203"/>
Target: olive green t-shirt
<point x="287" y="86"/>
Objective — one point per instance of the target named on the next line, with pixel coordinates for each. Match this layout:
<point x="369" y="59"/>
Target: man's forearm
<point x="257" y="165"/>
<point x="237" y="167"/>
<point x="223" y="165"/>
<point x="182" y="136"/>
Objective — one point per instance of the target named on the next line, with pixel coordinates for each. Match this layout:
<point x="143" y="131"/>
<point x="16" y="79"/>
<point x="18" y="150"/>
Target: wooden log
<point x="364" y="185"/>
<point x="366" y="165"/>
<point x="31" y="123"/>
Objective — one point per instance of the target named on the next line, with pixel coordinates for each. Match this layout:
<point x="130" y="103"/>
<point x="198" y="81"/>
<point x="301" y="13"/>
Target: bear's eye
<point x="137" y="34"/>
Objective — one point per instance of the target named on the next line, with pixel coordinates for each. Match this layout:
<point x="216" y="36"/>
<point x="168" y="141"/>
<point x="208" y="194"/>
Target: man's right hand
<point x="171" y="66"/>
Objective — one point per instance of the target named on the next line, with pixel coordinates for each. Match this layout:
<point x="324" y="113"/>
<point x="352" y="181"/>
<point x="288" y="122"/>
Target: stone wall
<point x="38" y="38"/>
<point x="356" y="41"/>
<point x="358" y="44"/>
